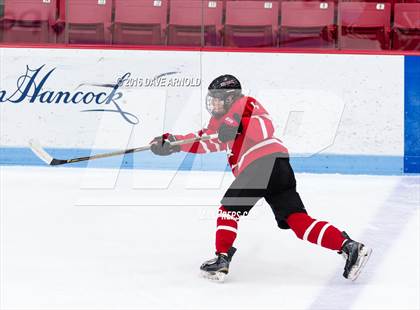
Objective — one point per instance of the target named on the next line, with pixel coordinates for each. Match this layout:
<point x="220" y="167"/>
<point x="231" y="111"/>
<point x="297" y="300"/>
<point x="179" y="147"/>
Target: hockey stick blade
<point x="40" y="152"/>
<point x="56" y="162"/>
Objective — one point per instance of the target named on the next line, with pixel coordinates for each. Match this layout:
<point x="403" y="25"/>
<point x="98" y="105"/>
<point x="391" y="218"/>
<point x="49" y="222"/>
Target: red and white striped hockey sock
<point x="319" y="232"/>
<point x="227" y="225"/>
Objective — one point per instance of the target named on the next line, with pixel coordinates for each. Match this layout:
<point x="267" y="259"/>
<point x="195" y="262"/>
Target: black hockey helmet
<point x="226" y="88"/>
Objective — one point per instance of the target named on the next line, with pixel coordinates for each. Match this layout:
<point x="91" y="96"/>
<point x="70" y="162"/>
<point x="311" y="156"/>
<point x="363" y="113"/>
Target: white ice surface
<point x="70" y="239"/>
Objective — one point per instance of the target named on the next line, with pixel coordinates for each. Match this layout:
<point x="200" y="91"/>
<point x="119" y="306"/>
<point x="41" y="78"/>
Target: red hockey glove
<point x="230" y="128"/>
<point x="161" y="145"/>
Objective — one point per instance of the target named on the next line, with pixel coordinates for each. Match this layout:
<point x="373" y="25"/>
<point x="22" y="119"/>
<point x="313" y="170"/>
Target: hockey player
<point x="260" y="163"/>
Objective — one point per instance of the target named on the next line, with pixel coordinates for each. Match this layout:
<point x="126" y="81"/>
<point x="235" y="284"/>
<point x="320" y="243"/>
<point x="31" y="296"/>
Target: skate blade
<point x="214" y="276"/>
<point x="365" y="253"/>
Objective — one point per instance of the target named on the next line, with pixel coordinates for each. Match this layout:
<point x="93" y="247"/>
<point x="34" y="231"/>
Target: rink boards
<point x="336" y="113"/>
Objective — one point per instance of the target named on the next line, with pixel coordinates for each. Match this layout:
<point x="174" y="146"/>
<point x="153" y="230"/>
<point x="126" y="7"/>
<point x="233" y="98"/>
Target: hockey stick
<point x="49" y="160"/>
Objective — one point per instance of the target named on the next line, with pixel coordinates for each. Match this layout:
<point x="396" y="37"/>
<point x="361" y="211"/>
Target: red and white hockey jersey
<point x="255" y="140"/>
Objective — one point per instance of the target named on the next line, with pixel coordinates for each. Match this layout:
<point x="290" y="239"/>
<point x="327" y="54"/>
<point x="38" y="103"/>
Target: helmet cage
<point x="227" y="96"/>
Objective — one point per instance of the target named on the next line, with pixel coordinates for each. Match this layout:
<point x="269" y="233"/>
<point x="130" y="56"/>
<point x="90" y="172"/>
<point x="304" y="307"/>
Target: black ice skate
<point x="356" y="255"/>
<point x="217" y="268"/>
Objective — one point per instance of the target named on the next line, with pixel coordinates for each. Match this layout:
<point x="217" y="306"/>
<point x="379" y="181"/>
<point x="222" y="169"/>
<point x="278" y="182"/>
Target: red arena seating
<point x="86" y="21"/>
<point x="186" y="18"/>
<point x="365" y="25"/>
<point x="140" y="22"/>
<point x="316" y="29"/>
<point x="29" y="21"/>
<point x="406" y="30"/>
<point x="251" y="23"/>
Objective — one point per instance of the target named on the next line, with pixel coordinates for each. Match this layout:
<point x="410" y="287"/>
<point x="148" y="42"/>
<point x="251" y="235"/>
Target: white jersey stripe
<point x="262" y="125"/>
<point x="266" y="116"/>
<point x="215" y="144"/>
<point x="204" y="145"/>
<point x="222" y="227"/>
<point x="322" y="232"/>
<point x="308" y="230"/>
<point x="255" y="147"/>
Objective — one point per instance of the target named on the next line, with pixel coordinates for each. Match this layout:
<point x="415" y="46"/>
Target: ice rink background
<point x="68" y="245"/>
<point x="85" y="238"/>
